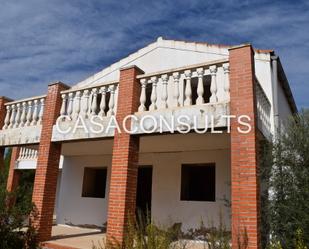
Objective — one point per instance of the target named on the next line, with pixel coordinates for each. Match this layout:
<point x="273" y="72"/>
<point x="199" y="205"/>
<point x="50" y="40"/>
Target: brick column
<point x="45" y="183"/>
<point x="244" y="150"/>
<point x="122" y="196"/>
<point x="13" y="177"/>
<point x="3" y="100"/>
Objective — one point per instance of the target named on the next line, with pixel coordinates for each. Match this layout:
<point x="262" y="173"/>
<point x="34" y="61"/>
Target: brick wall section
<point x="13" y="177"/>
<point x="3" y="100"/>
<point x="46" y="174"/>
<point x="122" y="196"/>
<point x="244" y="149"/>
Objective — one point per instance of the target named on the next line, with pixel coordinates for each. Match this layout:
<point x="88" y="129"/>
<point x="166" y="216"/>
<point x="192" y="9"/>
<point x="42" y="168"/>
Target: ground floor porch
<point x="181" y="179"/>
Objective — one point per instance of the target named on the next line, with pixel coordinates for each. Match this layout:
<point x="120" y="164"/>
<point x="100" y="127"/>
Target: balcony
<point x="198" y="92"/>
<point x="23" y="119"/>
<point x="82" y="106"/>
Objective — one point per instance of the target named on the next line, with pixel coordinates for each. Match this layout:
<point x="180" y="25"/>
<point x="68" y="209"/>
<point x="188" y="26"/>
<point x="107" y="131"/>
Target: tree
<point x="287" y="208"/>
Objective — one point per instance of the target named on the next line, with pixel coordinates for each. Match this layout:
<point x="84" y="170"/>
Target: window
<point x="198" y="182"/>
<point x="94" y="183"/>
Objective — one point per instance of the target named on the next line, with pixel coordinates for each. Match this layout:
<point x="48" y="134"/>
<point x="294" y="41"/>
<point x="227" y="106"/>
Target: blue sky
<point x="43" y="41"/>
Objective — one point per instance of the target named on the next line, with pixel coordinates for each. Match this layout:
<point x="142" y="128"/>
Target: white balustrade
<point x="89" y="102"/>
<point x="103" y="101"/>
<point x="200" y="86"/>
<point x="193" y="85"/>
<point x="142" y="99"/>
<point x="26" y="153"/>
<point x="263" y="109"/>
<point x="176" y="90"/>
<point x="188" y="88"/>
<point x="164" y="95"/>
<point x="226" y="69"/>
<point x="153" y="97"/>
<point x="27" y="112"/>
<point x="111" y="103"/>
<point x="213" y="84"/>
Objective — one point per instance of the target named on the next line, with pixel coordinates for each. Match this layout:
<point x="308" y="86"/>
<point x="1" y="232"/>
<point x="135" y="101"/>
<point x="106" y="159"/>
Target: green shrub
<point x="15" y="231"/>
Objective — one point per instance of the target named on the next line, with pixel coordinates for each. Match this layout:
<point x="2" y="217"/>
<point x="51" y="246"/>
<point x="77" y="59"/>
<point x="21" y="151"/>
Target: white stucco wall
<point x="165" y="153"/>
<point x="72" y="207"/>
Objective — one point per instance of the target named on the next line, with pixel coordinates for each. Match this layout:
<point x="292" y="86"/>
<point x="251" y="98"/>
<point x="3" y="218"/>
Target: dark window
<point x="94" y="183"/>
<point x="198" y="182"/>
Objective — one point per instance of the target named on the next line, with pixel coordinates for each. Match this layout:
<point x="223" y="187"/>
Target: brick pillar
<point x="244" y="150"/>
<point x="3" y="100"/>
<point x="122" y="196"/>
<point x="13" y="177"/>
<point x="45" y="182"/>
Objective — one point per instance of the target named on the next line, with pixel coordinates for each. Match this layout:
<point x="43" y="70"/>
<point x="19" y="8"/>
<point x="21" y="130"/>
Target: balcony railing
<point x="28" y="154"/>
<point x="26" y="112"/>
<point x="22" y="123"/>
<point x="99" y="100"/>
<point x="27" y="158"/>
<point x="202" y="88"/>
<point x="263" y="111"/>
<point x="193" y="85"/>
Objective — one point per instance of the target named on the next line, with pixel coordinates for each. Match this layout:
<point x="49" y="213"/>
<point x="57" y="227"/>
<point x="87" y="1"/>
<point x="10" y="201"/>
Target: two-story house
<point x="151" y="132"/>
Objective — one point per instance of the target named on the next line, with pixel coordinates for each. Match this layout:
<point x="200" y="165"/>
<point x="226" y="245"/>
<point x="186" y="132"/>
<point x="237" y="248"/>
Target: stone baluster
<point x="153" y="96"/>
<point x="176" y="77"/>
<point x="76" y="109"/>
<point x="35" y="154"/>
<point x="26" y="153"/>
<point x="35" y="112"/>
<point x="70" y="105"/>
<point x="103" y="101"/>
<point x="42" y="105"/>
<point x="7" y="117"/>
<point x="200" y="87"/>
<point x="18" y="114"/>
<point x="85" y="103"/>
<point x="111" y="103"/>
<point x="213" y="84"/>
<point x="226" y="69"/>
<point x="12" y="120"/>
<point x="32" y="153"/>
<point x="29" y="154"/>
<point x="188" y="88"/>
<point x="63" y="104"/>
<point x="21" y="153"/>
<point x="29" y="113"/>
<point x="142" y="98"/>
<point x="23" y="115"/>
<point x="94" y="104"/>
<point x="164" y="95"/>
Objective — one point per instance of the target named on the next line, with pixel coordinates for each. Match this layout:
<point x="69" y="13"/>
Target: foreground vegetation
<point x="285" y="180"/>
<point x="14" y="232"/>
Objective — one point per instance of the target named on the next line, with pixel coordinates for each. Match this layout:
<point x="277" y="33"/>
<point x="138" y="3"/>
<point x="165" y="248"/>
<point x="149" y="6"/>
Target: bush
<point x="15" y="231"/>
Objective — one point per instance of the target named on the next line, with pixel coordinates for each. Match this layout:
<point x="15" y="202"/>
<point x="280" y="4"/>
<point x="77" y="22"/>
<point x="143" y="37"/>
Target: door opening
<point x="144" y="190"/>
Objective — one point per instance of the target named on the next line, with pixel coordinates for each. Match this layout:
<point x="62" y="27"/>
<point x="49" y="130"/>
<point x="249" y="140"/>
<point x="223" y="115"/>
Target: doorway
<point x="144" y="190"/>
